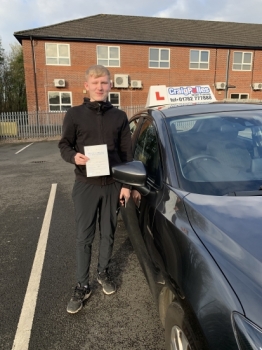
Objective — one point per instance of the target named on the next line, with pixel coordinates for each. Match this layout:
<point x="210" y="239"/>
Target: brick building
<point x="139" y="52"/>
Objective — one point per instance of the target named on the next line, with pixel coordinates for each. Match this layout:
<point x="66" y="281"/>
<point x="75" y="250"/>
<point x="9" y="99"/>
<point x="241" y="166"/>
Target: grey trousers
<point x="91" y="201"/>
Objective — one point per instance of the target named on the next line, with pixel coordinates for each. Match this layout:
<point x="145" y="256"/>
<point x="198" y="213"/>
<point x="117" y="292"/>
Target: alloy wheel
<point x="178" y="340"/>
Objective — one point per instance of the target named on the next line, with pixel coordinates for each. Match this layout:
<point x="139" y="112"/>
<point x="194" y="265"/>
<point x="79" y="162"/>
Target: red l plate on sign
<point x="158" y="97"/>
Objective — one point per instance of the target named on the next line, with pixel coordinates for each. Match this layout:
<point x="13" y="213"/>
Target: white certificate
<point x="98" y="164"/>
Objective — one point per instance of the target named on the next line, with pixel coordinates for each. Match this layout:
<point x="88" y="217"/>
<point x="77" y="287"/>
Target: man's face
<point x="98" y="87"/>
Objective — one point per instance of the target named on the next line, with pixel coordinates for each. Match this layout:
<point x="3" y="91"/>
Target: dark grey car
<point x="198" y="228"/>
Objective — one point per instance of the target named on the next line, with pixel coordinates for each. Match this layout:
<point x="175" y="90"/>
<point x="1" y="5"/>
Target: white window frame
<point x="239" y="96"/>
<point x="108" y="55"/>
<point x="199" y="62"/>
<point x="159" y="60"/>
<point x="57" y="57"/>
<point x="60" y="104"/>
<point x="109" y="98"/>
<point x="242" y="61"/>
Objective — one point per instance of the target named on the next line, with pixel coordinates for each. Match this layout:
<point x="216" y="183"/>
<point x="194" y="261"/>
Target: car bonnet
<point x="231" y="230"/>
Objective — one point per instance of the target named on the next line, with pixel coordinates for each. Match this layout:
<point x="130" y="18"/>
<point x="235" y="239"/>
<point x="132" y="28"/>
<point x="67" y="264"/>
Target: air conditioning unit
<point x="136" y="84"/>
<point x="59" y="82"/>
<point x="257" y="86"/>
<point x="121" y="80"/>
<point x="221" y="85"/>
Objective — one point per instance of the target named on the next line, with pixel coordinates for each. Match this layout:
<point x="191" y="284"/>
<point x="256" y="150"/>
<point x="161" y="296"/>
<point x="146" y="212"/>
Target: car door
<point x="146" y="149"/>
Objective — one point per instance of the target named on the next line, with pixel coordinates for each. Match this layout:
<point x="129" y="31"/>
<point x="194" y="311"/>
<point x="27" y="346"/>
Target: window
<point x="239" y="96"/>
<point x="182" y="126"/>
<point x="133" y="125"/>
<point x="242" y="61"/>
<point x="147" y="150"/>
<point x="57" y="54"/>
<point x="199" y="59"/>
<point x="114" y="98"/>
<point x="59" y="101"/>
<point x="159" y="58"/>
<point x="108" y="56"/>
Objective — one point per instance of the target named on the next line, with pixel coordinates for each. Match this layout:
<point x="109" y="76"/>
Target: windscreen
<point x="218" y="153"/>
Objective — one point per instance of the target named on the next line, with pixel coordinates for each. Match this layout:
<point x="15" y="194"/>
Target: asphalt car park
<point x="126" y="320"/>
<point x="197" y="226"/>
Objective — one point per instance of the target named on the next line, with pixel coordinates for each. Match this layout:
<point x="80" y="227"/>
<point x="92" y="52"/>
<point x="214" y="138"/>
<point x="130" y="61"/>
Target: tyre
<point x="181" y="332"/>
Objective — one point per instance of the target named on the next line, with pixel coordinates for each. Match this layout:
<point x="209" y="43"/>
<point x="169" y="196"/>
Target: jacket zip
<point x="100" y="113"/>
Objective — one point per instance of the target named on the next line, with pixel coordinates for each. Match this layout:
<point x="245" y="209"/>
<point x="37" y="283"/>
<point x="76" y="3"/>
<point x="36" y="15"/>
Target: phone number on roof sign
<point x="191" y="98"/>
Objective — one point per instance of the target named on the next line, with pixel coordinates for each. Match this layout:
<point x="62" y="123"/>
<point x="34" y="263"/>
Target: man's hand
<point x="81" y="159"/>
<point x="124" y="195"/>
<point x="136" y="197"/>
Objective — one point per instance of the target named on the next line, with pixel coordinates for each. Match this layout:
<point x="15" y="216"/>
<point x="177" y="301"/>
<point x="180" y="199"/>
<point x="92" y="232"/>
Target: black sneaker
<point x="108" y="285"/>
<point x="76" y="302"/>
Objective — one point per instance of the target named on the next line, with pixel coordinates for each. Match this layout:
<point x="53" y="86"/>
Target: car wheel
<point x="180" y="333"/>
<point x="165" y="299"/>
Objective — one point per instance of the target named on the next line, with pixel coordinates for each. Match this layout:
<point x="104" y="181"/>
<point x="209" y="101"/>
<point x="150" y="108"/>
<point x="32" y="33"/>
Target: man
<point x="95" y="122"/>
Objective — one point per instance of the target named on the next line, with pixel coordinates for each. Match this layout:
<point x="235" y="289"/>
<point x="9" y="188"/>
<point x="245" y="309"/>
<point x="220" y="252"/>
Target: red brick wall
<point x="134" y="61"/>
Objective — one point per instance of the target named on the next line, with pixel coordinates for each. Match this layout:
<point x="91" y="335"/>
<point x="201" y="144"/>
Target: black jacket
<point x="95" y="123"/>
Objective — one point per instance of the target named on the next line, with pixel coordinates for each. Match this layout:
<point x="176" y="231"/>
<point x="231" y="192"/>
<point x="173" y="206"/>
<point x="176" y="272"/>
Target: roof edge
<point x="130" y="42"/>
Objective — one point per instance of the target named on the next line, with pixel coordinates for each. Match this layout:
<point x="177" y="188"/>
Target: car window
<point x="182" y="126"/>
<point x="146" y="150"/>
<point x="218" y="153"/>
<point x="246" y="133"/>
<point x="133" y="125"/>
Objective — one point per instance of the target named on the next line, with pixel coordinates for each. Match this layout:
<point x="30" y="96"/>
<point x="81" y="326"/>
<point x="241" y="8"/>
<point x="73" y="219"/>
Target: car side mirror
<point x="133" y="174"/>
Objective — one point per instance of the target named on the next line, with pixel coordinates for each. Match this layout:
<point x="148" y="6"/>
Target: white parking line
<point x="24" y="148"/>
<point x="23" y="333"/>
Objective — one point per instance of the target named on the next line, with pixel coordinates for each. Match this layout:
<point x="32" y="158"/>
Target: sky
<point x="17" y="15"/>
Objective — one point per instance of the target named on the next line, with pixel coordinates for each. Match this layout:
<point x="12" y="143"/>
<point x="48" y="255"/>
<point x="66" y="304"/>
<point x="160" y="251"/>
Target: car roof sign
<point x="157" y="95"/>
<point x="160" y="95"/>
